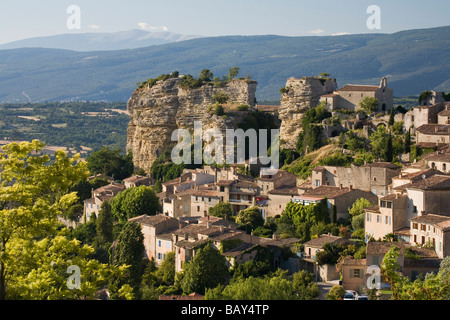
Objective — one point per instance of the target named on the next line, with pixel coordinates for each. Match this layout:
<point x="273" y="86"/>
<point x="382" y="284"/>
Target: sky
<point x="25" y="19"/>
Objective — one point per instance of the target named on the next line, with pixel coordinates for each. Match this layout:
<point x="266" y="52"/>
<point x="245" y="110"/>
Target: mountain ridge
<point x="412" y="60"/>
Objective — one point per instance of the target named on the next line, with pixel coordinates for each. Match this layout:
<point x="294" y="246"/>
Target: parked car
<point x="362" y="297"/>
<point x="350" y="295"/>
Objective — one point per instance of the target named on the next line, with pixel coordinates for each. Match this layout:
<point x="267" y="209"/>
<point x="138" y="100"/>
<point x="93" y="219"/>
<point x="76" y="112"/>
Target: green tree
<point x="250" y="217"/>
<point x="129" y="251"/>
<point x="408" y="141"/>
<point x="42" y="270"/>
<point x="369" y="104"/>
<point x="336" y="293"/>
<point x="358" y="207"/>
<point x="391" y="117"/>
<point x="133" y="202"/>
<point x="166" y="272"/>
<point x="379" y="141"/>
<point x="206" y="270"/>
<point x="104" y="224"/>
<point x="221" y="210"/>
<point x="205" y="75"/>
<point x="390" y="269"/>
<point x="33" y="193"/>
<point x="110" y="162"/>
<point x="233" y="72"/>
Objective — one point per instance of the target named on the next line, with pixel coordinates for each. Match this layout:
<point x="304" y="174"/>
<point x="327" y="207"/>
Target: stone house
<point x="355" y="272"/>
<point x="439" y="161"/>
<point x="433" y="135"/>
<point x="241" y="193"/>
<point x="281" y="179"/>
<point x="100" y="195"/>
<point x="434" y="230"/>
<point x="373" y="177"/>
<point x="278" y="199"/>
<point x="153" y="227"/>
<point x="340" y="197"/>
<point x="387" y="217"/>
<point x="311" y="248"/>
<point x="349" y="97"/>
<point x="137" y="180"/>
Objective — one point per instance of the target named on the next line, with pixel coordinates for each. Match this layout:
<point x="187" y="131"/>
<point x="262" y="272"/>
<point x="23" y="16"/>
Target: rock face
<point x="300" y="96"/>
<point x="155" y="112"/>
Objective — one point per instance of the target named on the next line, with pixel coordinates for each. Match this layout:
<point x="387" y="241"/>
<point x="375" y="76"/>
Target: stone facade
<point x="373" y="177"/>
<point x="349" y="97"/>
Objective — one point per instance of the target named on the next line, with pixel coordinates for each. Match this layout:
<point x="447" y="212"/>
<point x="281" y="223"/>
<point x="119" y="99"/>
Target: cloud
<point x="94" y="26"/>
<point x="145" y="26"/>
<point x="316" y="31"/>
<point x="341" y="34"/>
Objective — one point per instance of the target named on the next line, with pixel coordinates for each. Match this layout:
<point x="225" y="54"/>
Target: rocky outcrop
<point x="156" y="111"/>
<point x="299" y="96"/>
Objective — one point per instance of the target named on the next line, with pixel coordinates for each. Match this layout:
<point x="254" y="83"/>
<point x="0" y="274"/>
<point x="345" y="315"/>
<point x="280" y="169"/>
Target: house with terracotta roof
<point x="240" y="193"/>
<point x="156" y="241"/>
<point x="350" y="96"/>
<point x="387" y="217"/>
<point x="278" y="199"/>
<point x="137" y="180"/>
<point x="432" y="135"/>
<point x="439" y="161"/>
<point x="433" y="230"/>
<point x="372" y="177"/>
<point x="339" y="197"/>
<point x="426" y="114"/>
<point x="100" y="195"/>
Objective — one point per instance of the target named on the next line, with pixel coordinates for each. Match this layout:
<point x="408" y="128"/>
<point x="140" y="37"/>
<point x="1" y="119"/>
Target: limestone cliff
<point x="299" y="96"/>
<point x="156" y="111"/>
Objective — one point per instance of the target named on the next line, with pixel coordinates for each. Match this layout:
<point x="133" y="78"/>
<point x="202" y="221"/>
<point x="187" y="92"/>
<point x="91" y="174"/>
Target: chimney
<point x="340" y="186"/>
<point x="274" y="236"/>
<point x="350" y="187"/>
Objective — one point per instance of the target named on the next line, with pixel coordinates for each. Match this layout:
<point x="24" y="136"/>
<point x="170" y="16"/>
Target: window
<point x="414" y="209"/>
<point x="375" y="260"/>
<point x="159" y="256"/>
<point x="209" y="199"/>
<point x="375" y="179"/>
<point x="444" y="167"/>
<point x="159" y="243"/>
<point x="415" y="226"/>
<point x="355" y="273"/>
<point x="222" y="189"/>
<point x="423" y="227"/>
<point x="378" y="218"/>
<point x="383" y="204"/>
<point x="168" y="244"/>
<point x="196" y="198"/>
<point x="389" y="205"/>
<point x="316" y="183"/>
<point x="415" y="238"/>
<point x="198" y="208"/>
<point x="423" y="240"/>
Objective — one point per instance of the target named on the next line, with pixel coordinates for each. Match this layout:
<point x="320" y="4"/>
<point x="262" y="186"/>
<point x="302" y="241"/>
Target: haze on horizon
<point x="27" y="19"/>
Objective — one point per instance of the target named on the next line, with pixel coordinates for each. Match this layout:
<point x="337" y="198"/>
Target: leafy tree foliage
<point x="33" y="193"/>
<point x="134" y="201"/>
<point x="129" y="251"/>
<point x="206" y="270"/>
<point x="221" y="210"/>
<point x="336" y="293"/>
<point x="104" y="224"/>
<point x="110" y="162"/>
<point x="369" y="104"/>
<point x="251" y="218"/>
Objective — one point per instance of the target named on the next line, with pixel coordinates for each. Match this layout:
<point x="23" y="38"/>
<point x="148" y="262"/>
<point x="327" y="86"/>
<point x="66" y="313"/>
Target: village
<point x="408" y="203"/>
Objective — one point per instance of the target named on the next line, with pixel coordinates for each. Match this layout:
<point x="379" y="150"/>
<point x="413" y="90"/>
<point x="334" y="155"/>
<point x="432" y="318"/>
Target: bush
<point x="336" y="293"/>
<point x="220" y="97"/>
<point x="219" y="111"/>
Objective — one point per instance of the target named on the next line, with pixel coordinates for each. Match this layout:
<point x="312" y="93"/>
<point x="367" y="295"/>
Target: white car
<point x="350" y="295"/>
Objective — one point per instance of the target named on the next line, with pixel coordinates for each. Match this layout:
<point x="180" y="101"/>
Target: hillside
<point x="413" y="61"/>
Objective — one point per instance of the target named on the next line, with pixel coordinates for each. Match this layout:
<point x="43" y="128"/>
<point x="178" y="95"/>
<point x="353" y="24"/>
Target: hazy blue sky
<point x="24" y="19"/>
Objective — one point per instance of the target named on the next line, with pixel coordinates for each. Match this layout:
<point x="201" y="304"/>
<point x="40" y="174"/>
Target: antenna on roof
<point x="423" y="176"/>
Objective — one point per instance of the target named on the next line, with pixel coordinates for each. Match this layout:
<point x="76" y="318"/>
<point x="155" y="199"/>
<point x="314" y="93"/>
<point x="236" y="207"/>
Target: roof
<point x="445" y="113"/>
<point x="151" y="220"/>
<point x="405" y="231"/>
<point x="387" y="165"/>
<point x="238" y="249"/>
<point x="280" y="174"/>
<point x="442" y="222"/>
<point x="350" y="261"/>
<point x="190" y="244"/>
<point x="328" y="192"/>
<point x="422" y="263"/>
<point x="441" y="157"/>
<point x="392" y="197"/>
<point x="434" y="129"/>
<point x="285" y="191"/>
<point x="377" y="248"/>
<point x="436" y="182"/>
<point x="136" y="178"/>
<point x="359" y="88"/>
<point x="322" y="239"/>
<point x="112" y="187"/>
<point x="278" y="242"/>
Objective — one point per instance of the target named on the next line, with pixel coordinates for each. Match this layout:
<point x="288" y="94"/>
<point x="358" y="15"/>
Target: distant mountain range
<point x="413" y="61"/>
<point x="130" y="39"/>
